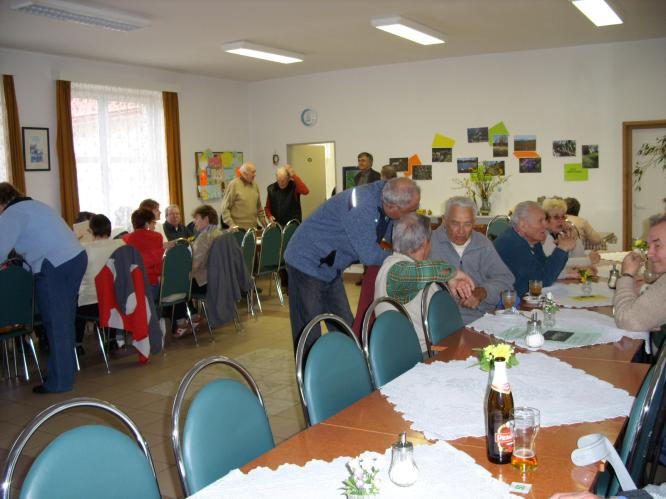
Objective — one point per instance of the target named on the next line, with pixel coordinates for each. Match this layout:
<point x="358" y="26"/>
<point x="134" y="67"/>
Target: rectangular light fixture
<point x="410" y="30"/>
<point x="82" y="14"/>
<point x="598" y="11"/>
<point x="249" y="49"/>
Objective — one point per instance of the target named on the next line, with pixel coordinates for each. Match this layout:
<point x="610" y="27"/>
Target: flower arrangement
<point x="480" y="184"/>
<point x="487" y="355"/>
<point x="363" y="479"/>
<point x="423" y="211"/>
<point x="549" y="306"/>
<point x="640" y="245"/>
<point x="584" y="275"/>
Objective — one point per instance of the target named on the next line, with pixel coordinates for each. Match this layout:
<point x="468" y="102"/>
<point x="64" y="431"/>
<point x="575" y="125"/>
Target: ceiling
<point x="187" y="35"/>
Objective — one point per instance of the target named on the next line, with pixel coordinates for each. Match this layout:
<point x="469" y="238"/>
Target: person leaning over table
<point x="283" y="199"/>
<point x="173" y="226"/>
<point x="58" y="261"/>
<point x="520" y="247"/>
<point x="241" y="204"/>
<point x="643" y="312"/>
<point x="405" y="273"/>
<point x="346" y="229"/>
<point x="456" y="242"/>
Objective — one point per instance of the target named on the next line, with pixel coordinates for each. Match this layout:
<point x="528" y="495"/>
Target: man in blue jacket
<point x="520" y="248"/>
<point x="348" y="228"/>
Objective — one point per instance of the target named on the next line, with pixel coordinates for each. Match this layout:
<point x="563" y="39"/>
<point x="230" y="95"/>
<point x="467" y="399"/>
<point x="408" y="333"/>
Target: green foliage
<point x="488" y="354"/>
<point x="651" y="155"/>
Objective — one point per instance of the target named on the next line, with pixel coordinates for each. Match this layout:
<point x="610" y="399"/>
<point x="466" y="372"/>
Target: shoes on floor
<point x="181" y="331"/>
<point x="40" y="389"/>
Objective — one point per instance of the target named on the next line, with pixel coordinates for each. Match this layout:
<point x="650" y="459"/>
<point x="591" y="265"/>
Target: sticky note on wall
<point x="574" y="172"/>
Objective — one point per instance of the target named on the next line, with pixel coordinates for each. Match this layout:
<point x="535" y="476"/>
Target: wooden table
<point x="373" y="424"/>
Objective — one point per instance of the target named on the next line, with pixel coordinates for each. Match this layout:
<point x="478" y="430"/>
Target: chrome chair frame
<point x="42" y="417"/>
<point x="180" y="398"/>
<point x="300" y="352"/>
<point x="494" y="219"/>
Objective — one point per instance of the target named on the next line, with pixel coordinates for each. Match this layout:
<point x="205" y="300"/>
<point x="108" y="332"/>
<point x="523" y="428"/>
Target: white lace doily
<point x="590" y="328"/>
<point x="444" y="471"/>
<point x="571" y="295"/>
<point x="445" y="400"/>
<point x="614" y="256"/>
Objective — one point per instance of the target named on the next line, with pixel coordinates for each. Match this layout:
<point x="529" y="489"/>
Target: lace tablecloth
<point x="590" y="328"/>
<point x="444" y="471"/>
<point x="571" y="295"/>
<point x="445" y="400"/>
<point x="614" y="256"/>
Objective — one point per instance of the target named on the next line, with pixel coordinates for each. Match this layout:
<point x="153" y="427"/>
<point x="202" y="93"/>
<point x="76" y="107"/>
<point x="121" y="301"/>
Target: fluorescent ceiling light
<point x="82" y="14"/>
<point x="410" y="30"/>
<point x="261" y="52"/>
<point x="598" y="11"/>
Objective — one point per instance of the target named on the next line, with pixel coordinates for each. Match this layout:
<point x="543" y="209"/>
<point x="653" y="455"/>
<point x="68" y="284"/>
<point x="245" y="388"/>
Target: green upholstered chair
<point x="287" y="232"/>
<point x="226" y="426"/>
<point x="269" y="258"/>
<point x="440" y="315"/>
<point x="87" y="461"/>
<point x="335" y="373"/>
<point x="496" y="226"/>
<point x="392" y="347"/>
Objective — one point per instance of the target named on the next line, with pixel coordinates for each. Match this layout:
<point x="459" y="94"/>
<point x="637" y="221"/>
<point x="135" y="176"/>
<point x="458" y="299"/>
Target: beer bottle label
<point x="501" y="387"/>
<point x="504" y="437"/>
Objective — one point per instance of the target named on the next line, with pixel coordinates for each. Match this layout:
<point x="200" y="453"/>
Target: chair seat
<point x="174" y="298"/>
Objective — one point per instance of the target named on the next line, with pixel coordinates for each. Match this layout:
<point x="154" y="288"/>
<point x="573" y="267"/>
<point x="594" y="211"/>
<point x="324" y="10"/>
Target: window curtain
<point x="69" y="189"/>
<point x="16" y="175"/>
<point x="172" y="135"/>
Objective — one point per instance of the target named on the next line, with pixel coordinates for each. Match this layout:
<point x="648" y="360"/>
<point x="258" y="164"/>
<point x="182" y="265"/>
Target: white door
<point x="649" y="200"/>
<point x="309" y="161"/>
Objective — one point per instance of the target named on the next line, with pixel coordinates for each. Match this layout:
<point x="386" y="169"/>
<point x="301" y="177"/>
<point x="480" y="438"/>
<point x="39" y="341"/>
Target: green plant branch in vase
<point x="650" y="155"/>
<point x="480" y="185"/>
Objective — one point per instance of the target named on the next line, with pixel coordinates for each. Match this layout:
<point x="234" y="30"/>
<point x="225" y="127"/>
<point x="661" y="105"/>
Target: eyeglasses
<point x="558" y="217"/>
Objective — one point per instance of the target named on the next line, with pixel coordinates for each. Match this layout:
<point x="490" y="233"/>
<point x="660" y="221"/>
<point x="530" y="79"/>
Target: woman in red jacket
<point x="149" y="244"/>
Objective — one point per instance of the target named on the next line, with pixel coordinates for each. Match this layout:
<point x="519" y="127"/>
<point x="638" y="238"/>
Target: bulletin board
<point x="214" y="170"/>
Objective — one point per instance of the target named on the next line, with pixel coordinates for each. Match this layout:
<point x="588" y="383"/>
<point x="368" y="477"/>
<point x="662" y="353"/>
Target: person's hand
<point x="461" y="285"/>
<point x="290" y="170"/>
<point x="574" y="495"/>
<point x="233" y="228"/>
<point x="631" y="263"/>
<point x="595" y="257"/>
<point x="477" y="296"/>
<point x="168" y="244"/>
<point x="566" y="243"/>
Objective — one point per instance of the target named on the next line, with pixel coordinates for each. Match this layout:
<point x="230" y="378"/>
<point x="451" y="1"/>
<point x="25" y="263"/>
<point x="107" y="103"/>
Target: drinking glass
<point x="508" y="301"/>
<point x="535" y="288"/>
<point x="526" y="422"/>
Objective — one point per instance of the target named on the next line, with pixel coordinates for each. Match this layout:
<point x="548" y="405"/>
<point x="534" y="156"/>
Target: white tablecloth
<point x="571" y="295"/>
<point x="445" y="400"/>
<point x="590" y="328"/>
<point x="444" y="471"/>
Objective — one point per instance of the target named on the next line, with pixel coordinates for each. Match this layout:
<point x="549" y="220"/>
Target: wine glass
<point x="535" y="288"/>
<point x="508" y="301"/>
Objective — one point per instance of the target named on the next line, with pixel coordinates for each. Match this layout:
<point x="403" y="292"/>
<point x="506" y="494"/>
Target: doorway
<point x="315" y="164"/>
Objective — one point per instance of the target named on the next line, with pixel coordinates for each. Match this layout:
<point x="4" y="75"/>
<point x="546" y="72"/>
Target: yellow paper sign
<point x="575" y="172"/>
<point x="442" y="141"/>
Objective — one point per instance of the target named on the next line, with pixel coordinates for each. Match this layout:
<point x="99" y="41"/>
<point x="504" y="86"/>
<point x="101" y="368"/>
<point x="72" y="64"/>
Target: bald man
<point x="283" y="200"/>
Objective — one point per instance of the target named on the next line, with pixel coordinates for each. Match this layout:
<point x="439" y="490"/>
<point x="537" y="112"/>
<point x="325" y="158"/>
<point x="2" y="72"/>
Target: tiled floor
<point x="146" y="393"/>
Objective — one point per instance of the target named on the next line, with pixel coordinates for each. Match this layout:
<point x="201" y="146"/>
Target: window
<point x="120" y="149"/>
<point x="4" y="139"/>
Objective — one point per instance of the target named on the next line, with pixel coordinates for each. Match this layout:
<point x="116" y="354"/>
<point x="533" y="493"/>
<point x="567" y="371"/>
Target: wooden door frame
<point x="628" y="128"/>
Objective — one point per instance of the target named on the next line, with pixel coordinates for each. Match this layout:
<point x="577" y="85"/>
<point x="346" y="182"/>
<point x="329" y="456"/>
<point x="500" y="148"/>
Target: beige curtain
<point x="16" y="173"/>
<point x="172" y="135"/>
<point x="69" y="189"/>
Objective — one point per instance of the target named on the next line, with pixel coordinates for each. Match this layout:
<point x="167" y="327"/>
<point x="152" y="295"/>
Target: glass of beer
<point x="535" y="288"/>
<point x="526" y="422"/>
<point x="508" y="301"/>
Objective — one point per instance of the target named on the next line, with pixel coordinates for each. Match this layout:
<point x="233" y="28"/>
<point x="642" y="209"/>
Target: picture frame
<point x="36" y="149"/>
<point x="348" y="174"/>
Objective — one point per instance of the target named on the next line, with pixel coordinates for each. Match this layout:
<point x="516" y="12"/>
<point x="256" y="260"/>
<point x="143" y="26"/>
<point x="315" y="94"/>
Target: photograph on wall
<point x="36" y="150"/>
<point x="348" y="174"/>
<point x="529" y="165"/>
<point x="524" y="143"/>
<point x="497" y="129"/>
<point x="467" y="165"/>
<point x="442" y="155"/>
<point x="477" y="134"/>
<point x="422" y="172"/>
<point x="494" y="167"/>
<point x="400" y="164"/>
<point x="590" y="156"/>
<point x="500" y="146"/>
<point x="564" y="148"/>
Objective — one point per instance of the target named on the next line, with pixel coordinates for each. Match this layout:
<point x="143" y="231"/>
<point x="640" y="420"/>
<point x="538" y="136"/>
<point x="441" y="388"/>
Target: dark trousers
<point x="57" y="291"/>
<point x="309" y="297"/>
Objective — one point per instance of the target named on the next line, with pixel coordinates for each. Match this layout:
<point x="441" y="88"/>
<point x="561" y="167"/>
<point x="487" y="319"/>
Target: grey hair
<point x="243" y="167"/>
<point x="461" y="202"/>
<point x="400" y="192"/>
<point x="522" y="209"/>
<point x="166" y="211"/>
<point x="655" y="220"/>
<point x="410" y="232"/>
<point x="281" y="171"/>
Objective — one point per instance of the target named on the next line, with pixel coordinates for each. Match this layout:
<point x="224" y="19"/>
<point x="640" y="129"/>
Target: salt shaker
<point x="403" y="471"/>
<point x="614" y="275"/>
<point x="533" y="334"/>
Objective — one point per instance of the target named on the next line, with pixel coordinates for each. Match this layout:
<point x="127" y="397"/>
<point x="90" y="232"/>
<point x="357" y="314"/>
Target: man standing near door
<point x="283" y="200"/>
<point x="367" y="175"/>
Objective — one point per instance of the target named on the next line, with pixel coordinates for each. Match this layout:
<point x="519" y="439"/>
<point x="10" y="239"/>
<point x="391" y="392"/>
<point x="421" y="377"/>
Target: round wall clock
<point x="309" y="117"/>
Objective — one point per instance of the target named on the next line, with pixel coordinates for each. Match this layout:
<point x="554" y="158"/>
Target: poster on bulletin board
<point x="214" y="170"/>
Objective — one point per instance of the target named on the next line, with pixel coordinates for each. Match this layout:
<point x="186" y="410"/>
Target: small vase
<point x="485" y="207"/>
<point x="548" y="319"/>
<point x="358" y="496"/>
<point x="587" y="288"/>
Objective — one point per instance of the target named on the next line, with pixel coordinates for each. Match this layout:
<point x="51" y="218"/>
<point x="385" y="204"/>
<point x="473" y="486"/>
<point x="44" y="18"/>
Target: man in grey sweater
<point x="456" y="242"/>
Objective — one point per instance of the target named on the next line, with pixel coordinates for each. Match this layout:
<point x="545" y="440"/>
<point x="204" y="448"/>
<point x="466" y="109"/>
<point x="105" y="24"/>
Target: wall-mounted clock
<point x="309" y="117"/>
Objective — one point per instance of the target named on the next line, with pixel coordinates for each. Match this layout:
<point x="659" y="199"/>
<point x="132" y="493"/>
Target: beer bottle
<point x="499" y="416"/>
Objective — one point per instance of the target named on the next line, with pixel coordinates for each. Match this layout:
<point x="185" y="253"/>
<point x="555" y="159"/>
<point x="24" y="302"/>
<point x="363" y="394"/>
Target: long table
<point x="373" y="424"/>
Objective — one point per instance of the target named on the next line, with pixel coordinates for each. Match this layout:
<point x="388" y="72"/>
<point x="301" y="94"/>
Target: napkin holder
<point x="596" y="447"/>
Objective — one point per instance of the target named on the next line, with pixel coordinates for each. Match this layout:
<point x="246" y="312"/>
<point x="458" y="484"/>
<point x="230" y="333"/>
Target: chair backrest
<point x="287" y="232"/>
<point x="249" y="249"/>
<point x="392" y="347"/>
<point x="271" y="244"/>
<point x="226" y="426"/>
<point x="336" y="373"/>
<point x="440" y="315"/>
<point x="87" y="461"/>
<point x="239" y="235"/>
<point x="16" y="296"/>
<point x="496" y="226"/>
<point x="176" y="274"/>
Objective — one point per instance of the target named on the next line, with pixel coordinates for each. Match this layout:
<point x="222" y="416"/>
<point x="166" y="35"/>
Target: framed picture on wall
<point x="348" y="174"/>
<point x="36" y="152"/>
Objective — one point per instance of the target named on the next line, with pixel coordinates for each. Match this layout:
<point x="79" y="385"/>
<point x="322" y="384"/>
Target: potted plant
<point x="482" y="185"/>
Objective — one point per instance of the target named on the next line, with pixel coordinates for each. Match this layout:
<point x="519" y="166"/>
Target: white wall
<point x="581" y="93"/>
<point x="213" y="112"/>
